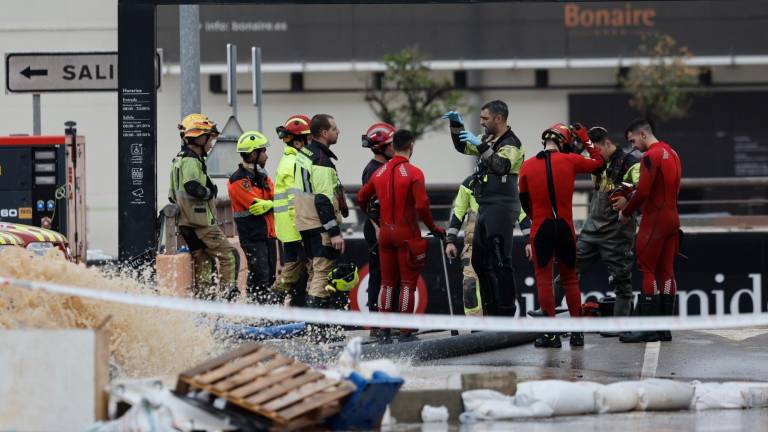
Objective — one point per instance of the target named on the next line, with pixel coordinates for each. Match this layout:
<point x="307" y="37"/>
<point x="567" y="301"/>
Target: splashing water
<point x="143" y="341"/>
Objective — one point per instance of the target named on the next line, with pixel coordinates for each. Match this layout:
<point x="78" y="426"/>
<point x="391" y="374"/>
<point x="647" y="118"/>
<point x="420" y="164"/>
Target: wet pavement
<point x="717" y="355"/>
<point x="705" y="355"/>
<point x="702" y="421"/>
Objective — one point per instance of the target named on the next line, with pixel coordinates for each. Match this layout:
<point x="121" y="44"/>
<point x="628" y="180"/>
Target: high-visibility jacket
<point x="465" y="204"/>
<point x="497" y="168"/>
<point x="285" y="206"/>
<point x="319" y="193"/>
<point x="192" y="190"/>
<point x="245" y="187"/>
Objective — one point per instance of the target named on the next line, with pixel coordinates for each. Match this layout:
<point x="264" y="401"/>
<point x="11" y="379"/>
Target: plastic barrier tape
<point x="422" y="322"/>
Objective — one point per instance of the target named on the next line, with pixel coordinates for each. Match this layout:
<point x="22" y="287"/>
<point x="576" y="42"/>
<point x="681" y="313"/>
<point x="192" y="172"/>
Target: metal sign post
<point x="232" y="77"/>
<point x="36" y="126"/>
<point x="256" y="83"/>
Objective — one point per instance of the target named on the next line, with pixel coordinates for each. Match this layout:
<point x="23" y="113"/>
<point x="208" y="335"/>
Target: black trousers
<point x="262" y="262"/>
<point x="492" y="259"/>
<point x="374" y="266"/>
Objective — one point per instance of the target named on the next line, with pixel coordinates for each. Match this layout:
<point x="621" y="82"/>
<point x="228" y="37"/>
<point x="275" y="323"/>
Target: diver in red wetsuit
<point x="546" y="194"/>
<point x="658" y="239"/>
<point x="403" y="200"/>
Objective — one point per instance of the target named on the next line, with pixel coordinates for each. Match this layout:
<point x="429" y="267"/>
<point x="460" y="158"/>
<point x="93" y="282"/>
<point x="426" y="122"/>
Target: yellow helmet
<point x="250" y="141"/>
<point x="194" y="125"/>
<point x="342" y="278"/>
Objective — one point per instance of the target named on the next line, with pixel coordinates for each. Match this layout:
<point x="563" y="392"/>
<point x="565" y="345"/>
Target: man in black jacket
<point x="495" y="189"/>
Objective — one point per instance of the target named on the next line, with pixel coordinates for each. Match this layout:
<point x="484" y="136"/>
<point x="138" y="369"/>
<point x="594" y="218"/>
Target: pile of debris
<point x="255" y="388"/>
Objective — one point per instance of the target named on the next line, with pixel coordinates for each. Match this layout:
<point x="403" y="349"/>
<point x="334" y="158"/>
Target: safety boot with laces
<point x="548" y="340"/>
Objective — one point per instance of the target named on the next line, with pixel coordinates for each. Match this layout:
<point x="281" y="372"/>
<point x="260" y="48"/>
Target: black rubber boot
<point x="538" y="313"/>
<point x="667" y="307"/>
<point x="406" y="336"/>
<point x="384" y="336"/>
<point x="646" y="306"/>
<point x="548" y="340"/>
<point x="622" y="306"/>
<point x="323" y="333"/>
<point x="577" y="339"/>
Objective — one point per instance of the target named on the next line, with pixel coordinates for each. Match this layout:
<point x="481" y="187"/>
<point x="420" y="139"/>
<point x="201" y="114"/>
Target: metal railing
<point x="442" y="194"/>
<point x="747" y="195"/>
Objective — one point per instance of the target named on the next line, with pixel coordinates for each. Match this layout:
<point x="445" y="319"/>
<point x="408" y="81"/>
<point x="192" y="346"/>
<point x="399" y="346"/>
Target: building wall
<point x="90" y="25"/>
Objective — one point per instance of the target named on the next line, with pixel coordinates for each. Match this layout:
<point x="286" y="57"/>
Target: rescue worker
<point x="603" y="238"/>
<point x="546" y="194"/>
<point x="465" y="207"/>
<point x="495" y="189"/>
<point x="320" y="205"/>
<point x="378" y="138"/>
<point x="658" y="239"/>
<point x="194" y="192"/>
<point x="403" y="200"/>
<point x="292" y="280"/>
<point x="251" y="194"/>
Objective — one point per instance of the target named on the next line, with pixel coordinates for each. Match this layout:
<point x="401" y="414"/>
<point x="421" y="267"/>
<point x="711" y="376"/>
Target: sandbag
<point x="756" y="397"/>
<point x="729" y="395"/>
<point x="480" y="405"/>
<point x="663" y="395"/>
<point x="563" y="397"/>
<point x="616" y="397"/>
<point x="436" y="414"/>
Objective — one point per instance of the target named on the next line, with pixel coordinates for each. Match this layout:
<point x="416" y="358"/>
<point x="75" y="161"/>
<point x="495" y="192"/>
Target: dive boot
<point x="622" y="307"/>
<point x="548" y="340"/>
<point x="667" y="309"/>
<point x="577" y="339"/>
<point x="647" y="305"/>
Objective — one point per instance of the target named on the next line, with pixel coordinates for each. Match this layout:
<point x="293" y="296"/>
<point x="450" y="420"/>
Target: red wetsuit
<point x="552" y="233"/>
<point x="403" y="199"/>
<point x="657" y="241"/>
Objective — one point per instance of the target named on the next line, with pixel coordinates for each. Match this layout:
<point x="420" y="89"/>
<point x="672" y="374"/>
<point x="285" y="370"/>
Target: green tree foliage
<point x="657" y="88"/>
<point x="410" y="97"/>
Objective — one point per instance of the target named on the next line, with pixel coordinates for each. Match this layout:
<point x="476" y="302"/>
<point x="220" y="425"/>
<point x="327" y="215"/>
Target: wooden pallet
<point x="258" y="379"/>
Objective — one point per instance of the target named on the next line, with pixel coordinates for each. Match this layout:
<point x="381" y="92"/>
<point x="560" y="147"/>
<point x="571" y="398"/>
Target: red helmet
<point x="560" y="134"/>
<point x="378" y="136"/>
<point x="295" y="126"/>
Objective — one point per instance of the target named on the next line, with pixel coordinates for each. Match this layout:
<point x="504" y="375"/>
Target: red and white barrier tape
<point x="423" y="322"/>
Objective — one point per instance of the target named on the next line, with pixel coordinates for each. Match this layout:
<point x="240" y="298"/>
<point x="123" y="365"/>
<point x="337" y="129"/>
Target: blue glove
<point x="469" y="137"/>
<point x="454" y="117"/>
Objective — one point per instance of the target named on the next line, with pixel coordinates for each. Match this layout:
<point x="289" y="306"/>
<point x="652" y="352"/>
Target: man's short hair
<point x="497" y="107"/>
<point x="597" y="134"/>
<point x="320" y="123"/>
<point x="638" y="124"/>
<point x="402" y="140"/>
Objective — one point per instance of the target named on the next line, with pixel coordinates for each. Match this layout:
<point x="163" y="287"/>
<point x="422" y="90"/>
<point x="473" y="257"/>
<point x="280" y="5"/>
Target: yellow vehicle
<point x="36" y="239"/>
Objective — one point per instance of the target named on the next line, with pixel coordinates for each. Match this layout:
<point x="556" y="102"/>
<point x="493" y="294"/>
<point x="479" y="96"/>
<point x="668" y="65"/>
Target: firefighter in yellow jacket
<point x="194" y="192"/>
<point x="320" y="205"/>
<point x="292" y="279"/>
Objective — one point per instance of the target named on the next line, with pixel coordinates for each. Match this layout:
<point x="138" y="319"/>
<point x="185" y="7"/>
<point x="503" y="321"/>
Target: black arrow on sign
<point x="29" y="72"/>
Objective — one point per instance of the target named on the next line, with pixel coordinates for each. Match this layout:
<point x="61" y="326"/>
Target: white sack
<point x="563" y="397"/>
<point x="663" y="395"/>
<point x="729" y="395"/>
<point x="492" y="405"/>
<point x="616" y="397"/>
<point x="431" y="413"/>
